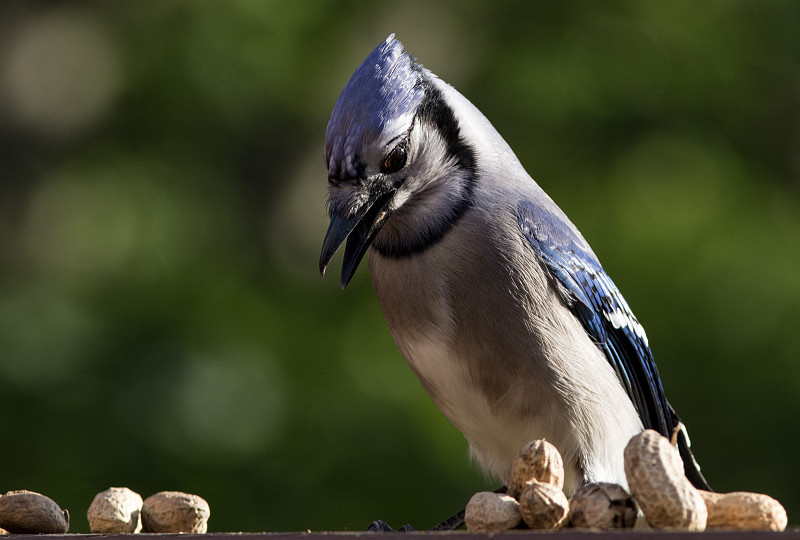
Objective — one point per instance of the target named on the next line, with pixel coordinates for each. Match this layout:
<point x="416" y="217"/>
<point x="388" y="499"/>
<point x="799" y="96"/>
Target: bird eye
<point x="395" y="161"/>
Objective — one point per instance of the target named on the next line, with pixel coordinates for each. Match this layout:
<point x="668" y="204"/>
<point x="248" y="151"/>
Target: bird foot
<point x="382" y="526"/>
<point x="450" y="524"/>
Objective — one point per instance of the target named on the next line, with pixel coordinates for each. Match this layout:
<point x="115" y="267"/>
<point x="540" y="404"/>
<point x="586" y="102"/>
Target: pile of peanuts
<point x="113" y="511"/>
<point x="658" y="488"/>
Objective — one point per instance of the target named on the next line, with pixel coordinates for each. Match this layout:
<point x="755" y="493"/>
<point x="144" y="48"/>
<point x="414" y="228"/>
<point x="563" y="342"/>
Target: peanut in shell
<point x="115" y="511"/>
<point x="28" y="512"/>
<point x="741" y="510"/>
<point x="543" y="506"/>
<point x="488" y="511"/>
<point x="538" y="460"/>
<point x="175" y="512"/>
<point x="602" y="506"/>
<point x="658" y="484"/>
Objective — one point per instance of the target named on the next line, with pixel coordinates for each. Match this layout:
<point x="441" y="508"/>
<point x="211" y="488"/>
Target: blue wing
<point x="602" y="310"/>
<point x="606" y="317"/>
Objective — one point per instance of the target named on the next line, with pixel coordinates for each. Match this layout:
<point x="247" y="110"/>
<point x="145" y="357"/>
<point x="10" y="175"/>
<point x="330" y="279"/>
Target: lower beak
<point x="359" y="230"/>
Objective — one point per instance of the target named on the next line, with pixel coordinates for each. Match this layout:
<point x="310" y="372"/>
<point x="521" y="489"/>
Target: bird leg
<point x="450" y="524"/>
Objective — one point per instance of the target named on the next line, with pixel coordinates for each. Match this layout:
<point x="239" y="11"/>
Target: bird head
<point x="399" y="172"/>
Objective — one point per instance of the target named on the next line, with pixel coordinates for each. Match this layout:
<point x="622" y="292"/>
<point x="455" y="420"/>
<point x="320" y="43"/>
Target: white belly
<point x="504" y="381"/>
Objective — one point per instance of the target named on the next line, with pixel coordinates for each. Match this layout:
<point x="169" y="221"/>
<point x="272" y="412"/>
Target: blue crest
<point x="377" y="104"/>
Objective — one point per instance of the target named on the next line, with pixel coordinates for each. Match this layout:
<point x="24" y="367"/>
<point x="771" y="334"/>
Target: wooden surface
<point x="793" y="534"/>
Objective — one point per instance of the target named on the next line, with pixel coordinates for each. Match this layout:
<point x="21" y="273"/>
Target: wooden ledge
<point x="792" y="534"/>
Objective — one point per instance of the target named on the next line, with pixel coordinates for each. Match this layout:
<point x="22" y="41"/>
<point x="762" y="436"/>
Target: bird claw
<point x="450" y="524"/>
<point x="381" y="526"/>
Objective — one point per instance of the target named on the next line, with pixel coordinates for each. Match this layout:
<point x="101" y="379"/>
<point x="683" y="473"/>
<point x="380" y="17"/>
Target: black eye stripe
<point x="435" y="112"/>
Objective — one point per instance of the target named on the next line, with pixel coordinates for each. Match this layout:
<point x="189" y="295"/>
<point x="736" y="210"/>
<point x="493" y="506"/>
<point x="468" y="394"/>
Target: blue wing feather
<point x="606" y="317"/>
<point x="602" y="310"/>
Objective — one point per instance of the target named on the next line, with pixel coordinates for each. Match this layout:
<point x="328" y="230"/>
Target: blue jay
<point x="493" y="297"/>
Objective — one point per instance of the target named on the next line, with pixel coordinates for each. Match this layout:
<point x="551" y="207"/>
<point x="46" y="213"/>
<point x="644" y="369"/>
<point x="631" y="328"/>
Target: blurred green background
<point x="162" y="322"/>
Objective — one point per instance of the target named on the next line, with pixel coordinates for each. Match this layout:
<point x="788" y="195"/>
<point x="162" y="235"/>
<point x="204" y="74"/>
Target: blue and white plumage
<point x="492" y="295"/>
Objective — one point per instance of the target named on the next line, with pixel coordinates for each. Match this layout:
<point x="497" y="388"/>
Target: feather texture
<point x="492" y="295"/>
<point x="606" y="316"/>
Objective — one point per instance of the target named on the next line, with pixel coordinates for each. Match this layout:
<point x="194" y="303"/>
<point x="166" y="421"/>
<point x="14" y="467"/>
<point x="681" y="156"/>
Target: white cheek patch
<point x="430" y="166"/>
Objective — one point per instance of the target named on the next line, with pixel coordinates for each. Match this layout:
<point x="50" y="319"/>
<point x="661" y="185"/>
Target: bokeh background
<point x="162" y="322"/>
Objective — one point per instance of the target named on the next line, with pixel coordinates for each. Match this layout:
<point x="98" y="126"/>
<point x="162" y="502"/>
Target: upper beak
<point x="359" y="230"/>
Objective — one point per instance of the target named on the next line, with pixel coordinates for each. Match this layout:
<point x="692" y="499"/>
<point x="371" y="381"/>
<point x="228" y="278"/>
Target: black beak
<point x="359" y="230"/>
